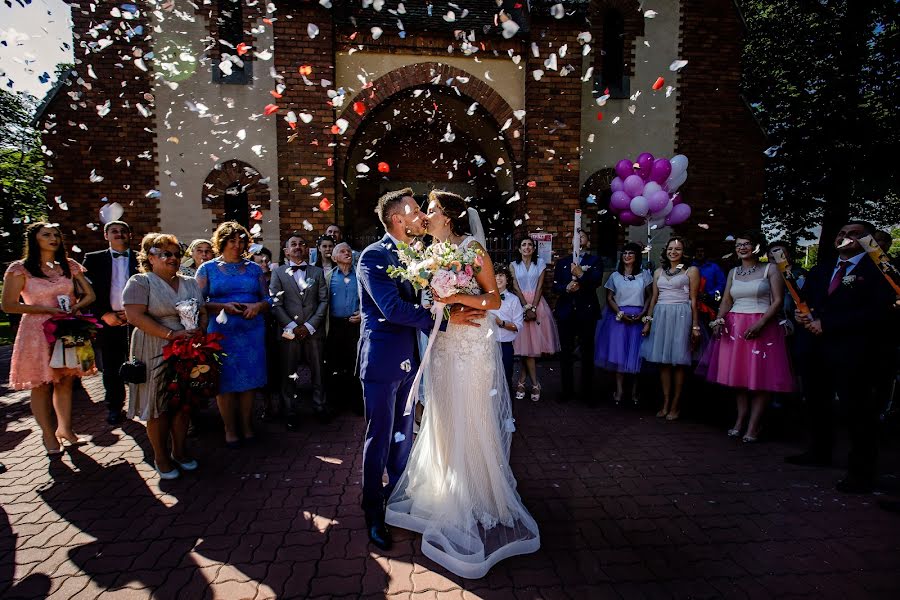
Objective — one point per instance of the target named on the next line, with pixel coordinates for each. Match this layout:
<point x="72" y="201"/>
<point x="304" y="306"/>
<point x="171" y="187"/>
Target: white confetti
<point x="678" y="65"/>
<point x="558" y="11"/>
<point x="312" y="30"/>
<point x="222" y="318"/>
<point x="399" y="437"/>
<point x="406" y="366"/>
<point x="650" y="14"/>
<point x="376" y="32"/>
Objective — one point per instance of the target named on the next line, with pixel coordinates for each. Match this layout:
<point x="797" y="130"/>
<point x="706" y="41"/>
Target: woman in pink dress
<point x="44" y="279"/>
<point x="749" y="352"/>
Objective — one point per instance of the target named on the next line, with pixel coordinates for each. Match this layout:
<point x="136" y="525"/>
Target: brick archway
<point x="227" y="174"/>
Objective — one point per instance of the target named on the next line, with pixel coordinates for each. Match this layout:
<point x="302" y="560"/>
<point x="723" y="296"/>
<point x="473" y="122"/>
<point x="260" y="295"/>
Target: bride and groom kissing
<point x="454" y="485"/>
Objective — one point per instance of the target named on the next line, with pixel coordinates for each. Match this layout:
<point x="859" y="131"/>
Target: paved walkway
<point x="629" y="507"/>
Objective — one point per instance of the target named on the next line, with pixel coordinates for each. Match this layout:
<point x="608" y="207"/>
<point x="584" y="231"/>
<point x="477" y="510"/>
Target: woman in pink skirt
<point x="45" y="279"/>
<point x="539" y="335"/>
<point x="749" y="352"/>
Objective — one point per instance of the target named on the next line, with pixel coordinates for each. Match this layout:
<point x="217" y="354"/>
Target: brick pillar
<point x="305" y="153"/>
<point x="119" y="146"/>
<point x="552" y="150"/>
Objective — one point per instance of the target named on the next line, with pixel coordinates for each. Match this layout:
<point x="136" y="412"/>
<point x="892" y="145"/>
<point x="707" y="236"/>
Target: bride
<point x="458" y="490"/>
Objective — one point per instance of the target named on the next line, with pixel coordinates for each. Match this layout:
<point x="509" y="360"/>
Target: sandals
<point x="535" y="392"/>
<point x="520" y="391"/>
<point x="734" y="433"/>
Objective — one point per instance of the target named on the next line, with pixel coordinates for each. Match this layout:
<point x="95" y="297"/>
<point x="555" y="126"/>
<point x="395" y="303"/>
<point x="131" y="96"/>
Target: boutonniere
<point x="849" y="280"/>
<point x="585" y="267"/>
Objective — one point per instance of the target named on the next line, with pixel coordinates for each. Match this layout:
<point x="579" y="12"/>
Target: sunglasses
<point x="165" y="255"/>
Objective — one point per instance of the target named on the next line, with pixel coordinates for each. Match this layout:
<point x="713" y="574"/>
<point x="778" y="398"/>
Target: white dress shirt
<point x="510" y="311"/>
<point x="300" y="278"/>
<point x="118" y="279"/>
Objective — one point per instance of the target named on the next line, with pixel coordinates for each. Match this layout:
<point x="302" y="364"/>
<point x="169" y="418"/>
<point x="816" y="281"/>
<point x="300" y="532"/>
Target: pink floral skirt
<point x="540" y="336"/>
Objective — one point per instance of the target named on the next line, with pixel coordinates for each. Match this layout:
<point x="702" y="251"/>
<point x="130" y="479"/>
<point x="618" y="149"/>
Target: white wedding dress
<point x="458" y="490"/>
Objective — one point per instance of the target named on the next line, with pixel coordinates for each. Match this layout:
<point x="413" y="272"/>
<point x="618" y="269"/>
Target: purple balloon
<point x="624" y="168"/>
<point x="629" y="218"/>
<point x="677" y="199"/>
<point x="616" y="185"/>
<point x="645" y="163"/>
<point x="657" y="201"/>
<point x="679" y="215"/>
<point x="634" y="185"/>
<point x="661" y="170"/>
<point x="619" y="201"/>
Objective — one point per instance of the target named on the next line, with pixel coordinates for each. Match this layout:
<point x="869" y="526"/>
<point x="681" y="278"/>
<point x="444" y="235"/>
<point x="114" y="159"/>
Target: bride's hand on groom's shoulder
<point x="465" y="315"/>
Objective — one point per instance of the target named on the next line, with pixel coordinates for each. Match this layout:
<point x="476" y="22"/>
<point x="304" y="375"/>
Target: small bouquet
<point x="190" y="367"/>
<point x="442" y="266"/>
<point x="71" y="336"/>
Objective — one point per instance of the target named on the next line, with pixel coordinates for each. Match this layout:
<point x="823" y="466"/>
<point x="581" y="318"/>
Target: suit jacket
<point x="584" y="303"/>
<point x="292" y="304"/>
<point x="391" y="317"/>
<point x="856" y="318"/>
<point x="99" y="273"/>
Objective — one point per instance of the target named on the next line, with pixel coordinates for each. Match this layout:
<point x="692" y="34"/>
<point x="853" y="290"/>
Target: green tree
<point x="823" y="78"/>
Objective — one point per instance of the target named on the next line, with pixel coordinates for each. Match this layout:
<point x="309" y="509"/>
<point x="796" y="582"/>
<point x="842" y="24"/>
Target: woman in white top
<point x="749" y="353"/>
<point x="539" y="334"/>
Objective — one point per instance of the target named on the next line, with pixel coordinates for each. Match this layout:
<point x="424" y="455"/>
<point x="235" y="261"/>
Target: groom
<point x="388" y="355"/>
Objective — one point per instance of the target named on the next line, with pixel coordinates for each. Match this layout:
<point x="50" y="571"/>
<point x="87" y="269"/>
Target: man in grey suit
<point x="300" y="304"/>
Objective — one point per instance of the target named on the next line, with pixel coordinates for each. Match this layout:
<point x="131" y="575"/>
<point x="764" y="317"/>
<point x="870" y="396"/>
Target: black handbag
<point x="133" y="371"/>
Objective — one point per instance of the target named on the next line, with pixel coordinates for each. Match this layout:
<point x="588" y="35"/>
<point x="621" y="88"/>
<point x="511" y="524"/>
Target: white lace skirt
<point x="458" y="490"/>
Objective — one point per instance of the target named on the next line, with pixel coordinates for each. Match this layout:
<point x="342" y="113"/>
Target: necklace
<point x="670" y="273"/>
<point x="740" y="271"/>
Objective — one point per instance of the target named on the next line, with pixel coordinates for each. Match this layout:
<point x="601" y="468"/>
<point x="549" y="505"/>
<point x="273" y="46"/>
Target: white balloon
<point x="639" y="206"/>
<point x="679" y="164"/>
<point x="650" y="188"/>
<point x="111" y="212"/>
<point x="676" y="181"/>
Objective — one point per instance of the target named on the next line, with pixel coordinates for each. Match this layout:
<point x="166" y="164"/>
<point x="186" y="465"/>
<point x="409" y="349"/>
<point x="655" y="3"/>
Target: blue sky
<point x="34" y="37"/>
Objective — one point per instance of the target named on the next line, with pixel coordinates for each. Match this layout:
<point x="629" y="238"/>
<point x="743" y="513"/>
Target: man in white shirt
<point x="509" y="318"/>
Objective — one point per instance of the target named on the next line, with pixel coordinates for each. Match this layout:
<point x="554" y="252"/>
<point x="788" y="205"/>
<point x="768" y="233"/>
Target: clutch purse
<point x="133" y="371"/>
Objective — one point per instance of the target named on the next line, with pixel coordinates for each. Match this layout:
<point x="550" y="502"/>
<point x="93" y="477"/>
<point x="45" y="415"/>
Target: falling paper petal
<point x="657" y="85"/>
<point x="324" y="204"/>
<point x="222" y="318"/>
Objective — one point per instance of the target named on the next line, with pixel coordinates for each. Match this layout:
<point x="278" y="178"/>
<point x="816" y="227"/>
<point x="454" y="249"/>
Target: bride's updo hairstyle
<point x="454" y="208"/>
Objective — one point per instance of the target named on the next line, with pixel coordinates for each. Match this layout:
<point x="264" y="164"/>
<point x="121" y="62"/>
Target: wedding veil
<point x="476" y="228"/>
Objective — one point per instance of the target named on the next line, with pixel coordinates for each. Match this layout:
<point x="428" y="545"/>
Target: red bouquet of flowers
<point x="70" y="337"/>
<point x="190" y="371"/>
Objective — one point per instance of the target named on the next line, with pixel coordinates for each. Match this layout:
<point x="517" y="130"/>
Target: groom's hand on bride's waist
<point x="465" y="315"/>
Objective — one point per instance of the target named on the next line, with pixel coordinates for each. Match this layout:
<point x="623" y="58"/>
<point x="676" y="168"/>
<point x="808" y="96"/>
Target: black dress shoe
<point x="380" y="536"/>
<point x="114" y="417"/>
<point x="853" y="485"/>
<point x="808" y="459"/>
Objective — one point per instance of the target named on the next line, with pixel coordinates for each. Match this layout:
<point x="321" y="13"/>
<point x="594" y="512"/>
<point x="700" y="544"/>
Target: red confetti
<point x="293" y="124"/>
<point x="256" y="215"/>
<point x="267" y="21"/>
<point x="606" y="92"/>
<point x="383" y="167"/>
<point x="304" y="181"/>
<point x="531" y="184"/>
<point x="659" y="83"/>
<point x="275" y="94"/>
<point x="335" y="130"/>
<point x="330" y="161"/>
<point x="242" y="49"/>
<point x="359" y="108"/>
<point x="324" y="204"/>
<point x="306" y="70"/>
<point x="270" y="108"/>
<point x="599" y="116"/>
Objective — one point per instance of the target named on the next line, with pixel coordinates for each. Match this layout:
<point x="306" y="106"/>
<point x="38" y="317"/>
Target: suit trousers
<point x="575" y="331"/>
<point x="292" y="355"/>
<point x="859" y="406"/>
<point x="340" y="363"/>
<point x="389" y="437"/>
<point x="112" y="350"/>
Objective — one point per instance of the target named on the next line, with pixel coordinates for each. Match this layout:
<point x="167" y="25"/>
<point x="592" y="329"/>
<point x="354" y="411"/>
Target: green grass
<point x="6" y="334"/>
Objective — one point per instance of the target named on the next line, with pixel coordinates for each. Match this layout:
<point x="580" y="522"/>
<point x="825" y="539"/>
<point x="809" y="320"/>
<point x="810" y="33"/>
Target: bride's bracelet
<point x="647" y="319"/>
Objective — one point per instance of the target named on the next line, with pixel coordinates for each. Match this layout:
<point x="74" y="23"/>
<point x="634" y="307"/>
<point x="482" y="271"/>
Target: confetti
<point x="677" y="65"/>
<point x="324" y="204"/>
<point x="658" y="84"/>
<point x="406" y="366"/>
<point x="359" y="108"/>
<point x="399" y="437"/>
<point x="270" y="108"/>
<point x="312" y="30"/>
<point x="383" y="167"/>
<point x="558" y="11"/>
<point x="222" y="318"/>
<point x="650" y="14"/>
<point x="377" y="31"/>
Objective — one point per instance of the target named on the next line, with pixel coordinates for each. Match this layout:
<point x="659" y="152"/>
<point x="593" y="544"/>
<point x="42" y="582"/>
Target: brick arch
<point x="230" y="172"/>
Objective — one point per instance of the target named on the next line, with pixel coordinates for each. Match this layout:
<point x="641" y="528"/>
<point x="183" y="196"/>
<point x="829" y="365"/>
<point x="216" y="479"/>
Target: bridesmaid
<point x="618" y="345"/>
<point x="43" y="275"/>
<point x="749" y="353"/>
<point x="539" y="335"/>
<point x="671" y="327"/>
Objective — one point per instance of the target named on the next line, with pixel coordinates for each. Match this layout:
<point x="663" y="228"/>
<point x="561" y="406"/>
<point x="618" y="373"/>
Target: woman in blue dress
<point x="236" y="296"/>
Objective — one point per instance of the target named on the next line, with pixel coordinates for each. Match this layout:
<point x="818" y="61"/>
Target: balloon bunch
<point x="645" y="191"/>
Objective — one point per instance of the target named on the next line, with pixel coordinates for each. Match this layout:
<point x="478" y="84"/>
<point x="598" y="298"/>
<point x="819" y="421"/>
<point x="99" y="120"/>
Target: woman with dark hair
<point x="749" y="352"/>
<point x="618" y="345"/>
<point x="324" y="248"/>
<point x="46" y="279"/>
<point x="235" y="291"/>
<point x="539" y="335"/>
<point x="671" y="325"/>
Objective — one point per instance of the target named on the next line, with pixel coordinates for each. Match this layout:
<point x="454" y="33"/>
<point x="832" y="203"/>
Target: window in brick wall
<point x="237" y="205"/>
<point x="612" y="74"/>
<point x="604" y="228"/>
<point x="230" y="25"/>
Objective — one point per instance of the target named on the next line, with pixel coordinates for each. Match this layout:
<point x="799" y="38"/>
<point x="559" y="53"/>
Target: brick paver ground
<point x="629" y="507"/>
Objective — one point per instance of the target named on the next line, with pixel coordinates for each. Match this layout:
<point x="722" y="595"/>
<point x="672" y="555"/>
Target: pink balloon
<point x="657" y="201"/>
<point x="645" y="163"/>
<point x="616" y="185"/>
<point x="629" y="218"/>
<point x="619" y="201"/>
<point x="679" y="215"/>
<point x="634" y="185"/>
<point x="661" y="170"/>
<point x="624" y="168"/>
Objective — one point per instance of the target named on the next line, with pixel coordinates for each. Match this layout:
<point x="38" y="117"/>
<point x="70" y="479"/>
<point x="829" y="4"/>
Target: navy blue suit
<point x="576" y="315"/>
<point x="387" y="363"/>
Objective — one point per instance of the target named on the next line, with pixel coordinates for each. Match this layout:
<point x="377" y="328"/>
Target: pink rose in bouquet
<point x="444" y="283"/>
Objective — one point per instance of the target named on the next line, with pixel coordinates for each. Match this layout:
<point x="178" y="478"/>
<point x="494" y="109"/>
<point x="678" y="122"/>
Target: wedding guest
<point x="40" y="285"/>
<point x="848" y="330"/>
<point x="618" y="345"/>
<point x="300" y="306"/>
<point x="538" y="335"/>
<point x="234" y="289"/>
<point x="712" y="273"/>
<point x="343" y="330"/>
<point x="671" y="325"/>
<point x="335" y="232"/>
<point x="150" y="298"/>
<point x="575" y="281"/>
<point x="108" y="271"/>
<point x="510" y="318"/>
<point x="749" y="352"/>
<point x="199" y="251"/>
<point x="324" y="248"/>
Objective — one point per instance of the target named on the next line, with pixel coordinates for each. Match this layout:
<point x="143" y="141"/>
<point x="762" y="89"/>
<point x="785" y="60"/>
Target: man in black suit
<point x="844" y="342"/>
<point x="108" y="271"/>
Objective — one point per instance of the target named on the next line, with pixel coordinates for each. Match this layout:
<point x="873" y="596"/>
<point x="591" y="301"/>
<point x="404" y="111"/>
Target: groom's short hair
<point x="389" y="204"/>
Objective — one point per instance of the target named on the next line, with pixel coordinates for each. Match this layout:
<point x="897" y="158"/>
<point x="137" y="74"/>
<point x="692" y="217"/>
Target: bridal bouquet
<point x="190" y="366"/>
<point x="443" y="266"/>
<point x="70" y="336"/>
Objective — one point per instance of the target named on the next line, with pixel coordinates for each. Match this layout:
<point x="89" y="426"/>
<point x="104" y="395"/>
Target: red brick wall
<point x="716" y="130"/>
<point x="82" y="141"/>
